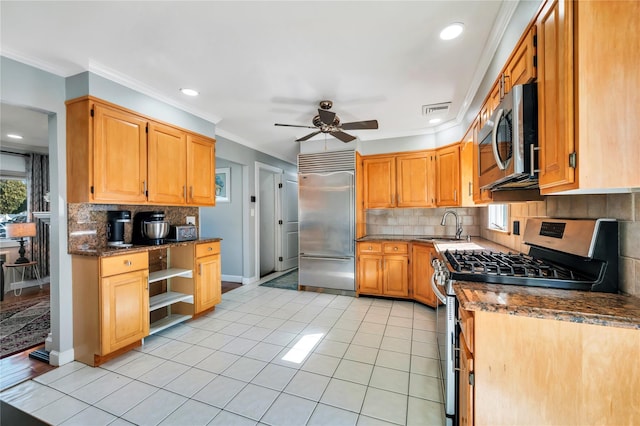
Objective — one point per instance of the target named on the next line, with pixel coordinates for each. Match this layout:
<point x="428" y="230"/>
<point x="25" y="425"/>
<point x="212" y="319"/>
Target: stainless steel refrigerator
<point x="326" y="216"/>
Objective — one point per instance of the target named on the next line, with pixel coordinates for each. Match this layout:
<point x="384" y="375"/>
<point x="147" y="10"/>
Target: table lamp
<point x="21" y="230"/>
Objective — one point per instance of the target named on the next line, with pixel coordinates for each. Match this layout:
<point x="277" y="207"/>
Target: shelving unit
<point x="168" y="298"/>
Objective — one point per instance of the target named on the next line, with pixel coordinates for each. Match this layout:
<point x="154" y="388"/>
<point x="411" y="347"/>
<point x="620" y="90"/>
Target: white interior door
<point x="267" y="215"/>
<point x="288" y="221"/>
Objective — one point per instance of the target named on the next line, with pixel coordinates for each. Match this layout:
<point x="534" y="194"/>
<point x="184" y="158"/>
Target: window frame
<point x="498" y="217"/>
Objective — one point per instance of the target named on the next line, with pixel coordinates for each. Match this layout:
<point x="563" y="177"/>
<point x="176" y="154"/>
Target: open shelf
<point x="169" y="273"/>
<point x="165" y="299"/>
<point x="167" y="322"/>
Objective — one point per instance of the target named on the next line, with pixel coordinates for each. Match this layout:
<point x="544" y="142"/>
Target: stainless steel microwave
<point x="508" y="142"/>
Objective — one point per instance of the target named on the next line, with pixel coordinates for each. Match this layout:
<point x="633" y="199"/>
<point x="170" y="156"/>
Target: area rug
<point x="288" y="281"/>
<point x="23" y="324"/>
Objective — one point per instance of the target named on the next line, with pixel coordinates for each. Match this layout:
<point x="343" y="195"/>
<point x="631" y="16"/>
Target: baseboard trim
<point x="58" y="358"/>
<point x="232" y="278"/>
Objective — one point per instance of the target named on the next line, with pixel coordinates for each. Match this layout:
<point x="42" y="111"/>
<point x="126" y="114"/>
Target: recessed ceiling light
<point x="190" y="92"/>
<point x="435" y="120"/>
<point x="452" y="31"/>
<point x="12" y="136"/>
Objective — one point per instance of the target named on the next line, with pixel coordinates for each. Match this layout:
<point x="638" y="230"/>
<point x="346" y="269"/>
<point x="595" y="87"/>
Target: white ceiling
<point x="266" y="62"/>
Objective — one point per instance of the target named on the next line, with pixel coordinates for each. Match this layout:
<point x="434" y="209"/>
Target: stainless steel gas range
<point x="566" y="254"/>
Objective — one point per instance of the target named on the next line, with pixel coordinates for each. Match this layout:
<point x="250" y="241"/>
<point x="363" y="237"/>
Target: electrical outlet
<point x="191" y="220"/>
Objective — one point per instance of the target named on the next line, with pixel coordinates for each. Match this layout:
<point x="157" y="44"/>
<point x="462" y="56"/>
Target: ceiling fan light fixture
<point x="452" y="31"/>
<point x="14" y="136"/>
<point x="189" y="92"/>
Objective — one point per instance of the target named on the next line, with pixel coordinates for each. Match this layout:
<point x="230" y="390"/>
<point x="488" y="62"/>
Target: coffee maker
<point x="115" y="227"/>
<point x="149" y="228"/>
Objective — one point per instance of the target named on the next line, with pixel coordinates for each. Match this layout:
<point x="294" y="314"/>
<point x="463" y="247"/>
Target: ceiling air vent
<point x="435" y="109"/>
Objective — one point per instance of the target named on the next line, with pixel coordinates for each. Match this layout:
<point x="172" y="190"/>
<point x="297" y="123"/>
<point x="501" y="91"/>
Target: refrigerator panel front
<point x="326" y="272"/>
<point x="326" y="219"/>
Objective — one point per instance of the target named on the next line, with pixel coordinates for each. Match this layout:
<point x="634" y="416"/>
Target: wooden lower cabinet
<point x="532" y="371"/>
<point x="208" y="285"/>
<point x="383" y="268"/>
<point x="112" y="305"/>
<point x="396" y="269"/>
<point x="421" y="271"/>
<point x="124" y="317"/>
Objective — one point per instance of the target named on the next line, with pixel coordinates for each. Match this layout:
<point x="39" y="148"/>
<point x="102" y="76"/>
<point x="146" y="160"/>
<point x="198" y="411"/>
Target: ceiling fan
<point x="328" y="122"/>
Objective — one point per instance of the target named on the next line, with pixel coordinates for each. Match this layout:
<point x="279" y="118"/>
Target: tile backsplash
<point x="421" y="222"/>
<point x="623" y="207"/>
<point x="87" y="223"/>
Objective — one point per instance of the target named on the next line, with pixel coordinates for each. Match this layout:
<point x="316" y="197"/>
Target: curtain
<point x="38" y="182"/>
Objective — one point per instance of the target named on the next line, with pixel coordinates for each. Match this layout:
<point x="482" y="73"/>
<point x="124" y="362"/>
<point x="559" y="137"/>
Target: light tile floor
<point x="265" y="356"/>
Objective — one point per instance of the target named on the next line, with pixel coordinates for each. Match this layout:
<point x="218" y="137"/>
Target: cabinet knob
<point x="210" y="248"/>
<point x="370" y="247"/>
<point x="395" y="249"/>
<point x="127" y="263"/>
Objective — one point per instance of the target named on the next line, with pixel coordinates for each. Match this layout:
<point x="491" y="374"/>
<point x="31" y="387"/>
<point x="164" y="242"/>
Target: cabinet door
<point x="479" y="195"/>
<point x="379" y="182"/>
<point x="465" y="384"/>
<point x="124" y="317"/>
<point x="415" y="178"/>
<point x="555" y="93"/>
<point x="421" y="271"/>
<point x="396" y="276"/>
<point x="167" y="165"/>
<point x="201" y="168"/>
<point x="448" y="176"/>
<point x="208" y="283"/>
<point x="466" y="170"/>
<point x="370" y="274"/>
<point x="119" y="156"/>
<point x="520" y="69"/>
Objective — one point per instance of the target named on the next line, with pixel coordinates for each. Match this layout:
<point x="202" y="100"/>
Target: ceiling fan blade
<point x="309" y="136"/>
<point x="360" y="125"/>
<point x="344" y="137"/>
<point x="326" y="117"/>
<point x="294" y="125"/>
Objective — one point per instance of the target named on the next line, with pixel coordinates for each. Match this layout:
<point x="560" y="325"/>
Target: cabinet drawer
<point x="369" y="247"/>
<point x="114" y="265"/>
<point x="466" y="325"/>
<point x="207" y="249"/>
<point x="396" y="248"/>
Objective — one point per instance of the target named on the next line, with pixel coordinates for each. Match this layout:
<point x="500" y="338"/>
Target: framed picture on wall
<point x="223" y="185"/>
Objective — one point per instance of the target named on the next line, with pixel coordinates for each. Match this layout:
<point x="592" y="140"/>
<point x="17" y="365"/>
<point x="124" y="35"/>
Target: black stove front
<point x="546" y="267"/>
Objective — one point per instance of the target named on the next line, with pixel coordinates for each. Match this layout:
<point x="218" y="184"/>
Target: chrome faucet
<point x="458" y="224"/>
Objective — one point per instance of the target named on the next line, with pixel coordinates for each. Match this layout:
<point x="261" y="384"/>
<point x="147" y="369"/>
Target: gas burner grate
<point x="508" y="265"/>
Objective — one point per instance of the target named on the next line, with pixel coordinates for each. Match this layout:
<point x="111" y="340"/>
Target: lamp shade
<point x="21" y="230"/>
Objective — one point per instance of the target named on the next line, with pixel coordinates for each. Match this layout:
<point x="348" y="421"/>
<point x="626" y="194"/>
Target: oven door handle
<point x="494" y="140"/>
<point x="439" y="295"/>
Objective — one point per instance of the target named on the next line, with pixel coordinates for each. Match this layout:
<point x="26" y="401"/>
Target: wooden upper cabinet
<point x="587" y="95"/>
<point x="379" y="182"/>
<point x="119" y="156"/>
<point x="466" y="168"/>
<point x="448" y="176"/>
<point x="167" y="165"/>
<point x="415" y="180"/>
<point x="555" y="94"/>
<point x="520" y="68"/>
<point x="201" y="169"/>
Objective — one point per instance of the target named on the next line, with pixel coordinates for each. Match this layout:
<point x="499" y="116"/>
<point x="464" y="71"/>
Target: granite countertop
<point x="111" y="251"/>
<point x="615" y="310"/>
<point x="408" y="238"/>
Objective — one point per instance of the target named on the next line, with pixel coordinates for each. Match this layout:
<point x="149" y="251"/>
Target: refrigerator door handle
<point x="328" y="258"/>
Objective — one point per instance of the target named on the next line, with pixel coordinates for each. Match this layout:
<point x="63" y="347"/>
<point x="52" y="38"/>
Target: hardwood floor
<point x="19" y="367"/>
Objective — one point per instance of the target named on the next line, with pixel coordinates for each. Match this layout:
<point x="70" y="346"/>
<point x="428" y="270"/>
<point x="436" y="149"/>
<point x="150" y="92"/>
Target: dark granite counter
<point x="111" y="251"/>
<point x="606" y="309"/>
